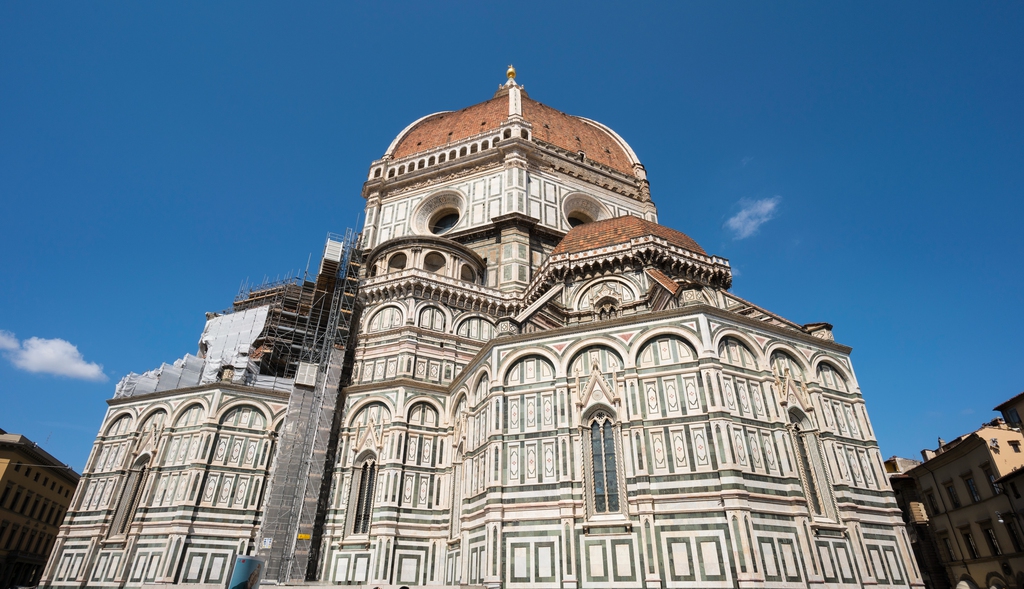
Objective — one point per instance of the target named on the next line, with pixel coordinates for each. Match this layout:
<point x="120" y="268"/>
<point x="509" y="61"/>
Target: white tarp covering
<point x="227" y="337"/>
<point x="226" y="342"/>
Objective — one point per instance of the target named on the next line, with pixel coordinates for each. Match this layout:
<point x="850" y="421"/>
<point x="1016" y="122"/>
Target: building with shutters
<point x="35" y="491"/>
<point x="544" y="388"/>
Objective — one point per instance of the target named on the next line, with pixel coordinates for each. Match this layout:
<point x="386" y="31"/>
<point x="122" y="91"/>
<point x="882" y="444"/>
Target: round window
<point x="397" y="262"/>
<point x="577" y="219"/>
<point x="468" y="275"/>
<point x="443" y="222"/>
<point x="433" y="262"/>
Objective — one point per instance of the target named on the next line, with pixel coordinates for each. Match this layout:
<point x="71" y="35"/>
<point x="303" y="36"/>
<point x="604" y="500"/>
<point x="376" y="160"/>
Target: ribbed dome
<point x="575" y="134"/>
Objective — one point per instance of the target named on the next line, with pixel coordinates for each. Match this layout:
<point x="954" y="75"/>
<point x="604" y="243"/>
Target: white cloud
<point x="49" y="356"/>
<point x="753" y="214"/>
<point x="8" y="341"/>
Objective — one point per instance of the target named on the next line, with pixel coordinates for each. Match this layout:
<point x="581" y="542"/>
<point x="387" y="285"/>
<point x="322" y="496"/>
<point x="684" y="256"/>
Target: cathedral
<point x="512" y="376"/>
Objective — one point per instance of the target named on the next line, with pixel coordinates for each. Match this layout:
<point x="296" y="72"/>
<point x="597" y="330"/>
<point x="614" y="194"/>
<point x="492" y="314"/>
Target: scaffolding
<point x="298" y="497"/>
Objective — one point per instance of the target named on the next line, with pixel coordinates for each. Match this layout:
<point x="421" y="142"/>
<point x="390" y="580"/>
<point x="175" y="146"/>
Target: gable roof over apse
<point x="549" y="125"/>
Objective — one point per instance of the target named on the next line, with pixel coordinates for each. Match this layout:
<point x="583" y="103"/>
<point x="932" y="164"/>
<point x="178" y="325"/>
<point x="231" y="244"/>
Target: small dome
<point x="591" y="236"/>
<point x="575" y="134"/>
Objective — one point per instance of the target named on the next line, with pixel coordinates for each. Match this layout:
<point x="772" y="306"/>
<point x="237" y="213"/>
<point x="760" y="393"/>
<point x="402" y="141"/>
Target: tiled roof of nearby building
<point x="1009" y="402"/>
<point x="549" y="125"/>
<point x="619" y="230"/>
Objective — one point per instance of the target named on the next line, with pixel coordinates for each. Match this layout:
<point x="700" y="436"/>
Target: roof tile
<point x="591" y="236"/>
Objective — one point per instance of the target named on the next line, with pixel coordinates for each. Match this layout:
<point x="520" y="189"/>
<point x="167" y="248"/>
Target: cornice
<point x="224" y="386"/>
<point x="693" y="309"/>
<point x="395" y="383"/>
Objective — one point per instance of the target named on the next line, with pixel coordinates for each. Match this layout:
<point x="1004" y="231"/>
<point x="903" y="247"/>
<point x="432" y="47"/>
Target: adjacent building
<point x="35" y="491"/>
<point x="963" y="506"/>
<point x="543" y="387"/>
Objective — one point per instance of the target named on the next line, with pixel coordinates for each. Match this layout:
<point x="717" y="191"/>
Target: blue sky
<point x="155" y="155"/>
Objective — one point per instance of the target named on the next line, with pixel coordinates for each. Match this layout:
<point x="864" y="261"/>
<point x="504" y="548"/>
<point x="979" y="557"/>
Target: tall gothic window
<point x="131" y="494"/>
<point x="363" y="497"/>
<point x="605" y="474"/>
<point x="811" y="466"/>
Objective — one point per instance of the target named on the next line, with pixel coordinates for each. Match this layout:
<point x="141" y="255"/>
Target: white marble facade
<point x="604" y="413"/>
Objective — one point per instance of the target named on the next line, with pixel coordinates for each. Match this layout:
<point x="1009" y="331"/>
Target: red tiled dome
<point x="575" y="134"/>
<point x="620" y="230"/>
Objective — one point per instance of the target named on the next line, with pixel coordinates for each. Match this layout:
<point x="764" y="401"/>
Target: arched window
<point x="245" y="417"/>
<point x="781" y="362"/>
<point x="508" y="133"/>
<point x="423" y="414"/>
<point x="386" y="318"/>
<point x="155" y="421"/>
<point x="391" y="173"/>
<point x="472" y="148"/>
<point x="484" y="145"/>
<point x="376" y="173"/>
<point x="462" y="152"/>
<point x="482" y="388"/>
<point x="363" y="496"/>
<point x="131" y="494"/>
<point x="120" y="427"/>
<point x="432" y="318"/>
<point x="665" y="350"/>
<point x="830" y="378"/>
<point x="529" y="370"/>
<point x="607" y="360"/>
<point x="192" y="416"/>
<point x="431" y="161"/>
<point x="434" y="262"/>
<point x="441" y="158"/>
<point x="477" y="328"/>
<point x="735" y="353"/>
<point x="603" y="469"/>
<point x="397" y="262"/>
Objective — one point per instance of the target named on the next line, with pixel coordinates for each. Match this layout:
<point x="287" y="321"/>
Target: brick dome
<point x="575" y="134"/>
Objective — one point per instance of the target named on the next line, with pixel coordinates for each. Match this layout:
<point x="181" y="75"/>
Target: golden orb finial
<point x="511" y="73"/>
